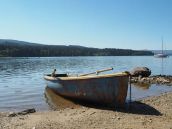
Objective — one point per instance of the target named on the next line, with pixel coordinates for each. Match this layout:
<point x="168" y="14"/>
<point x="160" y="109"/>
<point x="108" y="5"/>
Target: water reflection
<point x="143" y="86"/>
<point x="140" y="91"/>
<point x="162" y="66"/>
<point x="57" y="102"/>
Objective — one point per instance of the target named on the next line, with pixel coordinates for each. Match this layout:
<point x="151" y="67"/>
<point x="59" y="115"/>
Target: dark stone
<point x="27" y="111"/>
<point x="12" y="114"/>
<point x="24" y="112"/>
<point x="141" y="71"/>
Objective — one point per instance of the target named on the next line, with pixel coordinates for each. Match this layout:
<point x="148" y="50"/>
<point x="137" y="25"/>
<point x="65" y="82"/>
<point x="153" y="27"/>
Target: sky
<point x="126" y="24"/>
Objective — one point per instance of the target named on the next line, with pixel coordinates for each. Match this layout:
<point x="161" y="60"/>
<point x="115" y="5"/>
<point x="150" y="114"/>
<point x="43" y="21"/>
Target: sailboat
<point x="162" y="54"/>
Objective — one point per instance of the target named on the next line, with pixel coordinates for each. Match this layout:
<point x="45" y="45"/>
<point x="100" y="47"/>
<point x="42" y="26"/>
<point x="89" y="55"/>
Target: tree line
<point x="19" y="49"/>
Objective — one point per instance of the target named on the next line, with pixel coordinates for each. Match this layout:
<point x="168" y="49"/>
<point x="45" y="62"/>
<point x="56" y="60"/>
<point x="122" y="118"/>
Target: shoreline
<point x="151" y="112"/>
<point x="155" y="79"/>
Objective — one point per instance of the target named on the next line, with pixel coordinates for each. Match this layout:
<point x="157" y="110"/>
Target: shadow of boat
<point x="140" y="108"/>
<point x="57" y="102"/>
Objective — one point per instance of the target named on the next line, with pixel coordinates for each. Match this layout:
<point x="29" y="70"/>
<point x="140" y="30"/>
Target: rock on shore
<point x="141" y="71"/>
<point x="157" y="79"/>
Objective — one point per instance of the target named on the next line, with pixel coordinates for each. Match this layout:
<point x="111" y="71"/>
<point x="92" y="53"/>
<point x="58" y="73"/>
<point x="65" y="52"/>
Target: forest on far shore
<point x="14" y="48"/>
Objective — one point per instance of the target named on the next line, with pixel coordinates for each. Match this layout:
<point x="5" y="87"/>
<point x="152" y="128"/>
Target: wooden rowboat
<point x="107" y="89"/>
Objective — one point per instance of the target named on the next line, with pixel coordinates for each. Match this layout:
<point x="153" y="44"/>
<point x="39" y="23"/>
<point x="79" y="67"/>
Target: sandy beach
<point x="153" y="112"/>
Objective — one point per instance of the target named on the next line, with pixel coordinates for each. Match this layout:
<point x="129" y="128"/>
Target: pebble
<point x="83" y="111"/>
<point x="92" y="113"/>
<point x="150" y="120"/>
<point x="21" y="118"/>
<point x="118" y="118"/>
<point x="12" y="114"/>
<point x="113" y="117"/>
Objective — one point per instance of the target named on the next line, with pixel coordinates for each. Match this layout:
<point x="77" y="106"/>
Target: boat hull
<point x="108" y="89"/>
<point x="161" y="55"/>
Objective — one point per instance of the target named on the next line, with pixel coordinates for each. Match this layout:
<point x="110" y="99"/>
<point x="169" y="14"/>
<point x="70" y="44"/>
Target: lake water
<point x="22" y="85"/>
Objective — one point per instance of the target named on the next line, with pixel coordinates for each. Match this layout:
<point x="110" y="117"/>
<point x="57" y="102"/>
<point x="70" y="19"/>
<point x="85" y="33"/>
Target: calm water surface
<point x="22" y="85"/>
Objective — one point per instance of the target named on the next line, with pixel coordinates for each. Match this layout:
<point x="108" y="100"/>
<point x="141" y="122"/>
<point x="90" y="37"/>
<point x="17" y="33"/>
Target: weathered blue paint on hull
<point x="103" y="89"/>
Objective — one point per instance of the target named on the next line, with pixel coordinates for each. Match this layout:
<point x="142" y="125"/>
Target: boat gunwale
<point x="122" y="74"/>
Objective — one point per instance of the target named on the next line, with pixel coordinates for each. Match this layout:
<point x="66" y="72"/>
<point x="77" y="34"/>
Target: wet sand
<point x="152" y="112"/>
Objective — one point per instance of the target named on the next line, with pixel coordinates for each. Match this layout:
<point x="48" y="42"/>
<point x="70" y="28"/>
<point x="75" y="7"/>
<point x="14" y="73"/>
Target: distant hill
<point x="17" y="43"/>
<point x="15" y="48"/>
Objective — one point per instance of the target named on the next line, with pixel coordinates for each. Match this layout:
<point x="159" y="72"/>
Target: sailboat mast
<point x="162" y="46"/>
